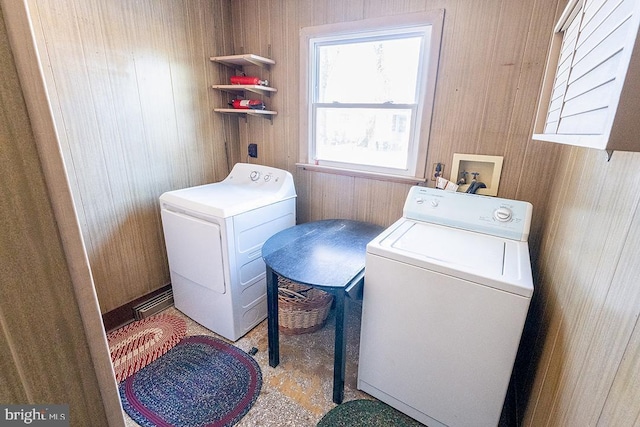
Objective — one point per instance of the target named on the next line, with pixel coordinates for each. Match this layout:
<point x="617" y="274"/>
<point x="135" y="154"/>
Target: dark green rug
<point x="366" y="413"/>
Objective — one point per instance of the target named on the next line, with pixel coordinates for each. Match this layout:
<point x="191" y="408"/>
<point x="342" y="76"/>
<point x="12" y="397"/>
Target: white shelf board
<point x="262" y="113"/>
<point x="259" y="89"/>
<point x="246" y="59"/>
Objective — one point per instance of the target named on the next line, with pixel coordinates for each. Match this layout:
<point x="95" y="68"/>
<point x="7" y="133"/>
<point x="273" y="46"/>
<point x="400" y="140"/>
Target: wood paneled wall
<point x="129" y="86"/>
<point x="584" y="356"/>
<point x="44" y="350"/>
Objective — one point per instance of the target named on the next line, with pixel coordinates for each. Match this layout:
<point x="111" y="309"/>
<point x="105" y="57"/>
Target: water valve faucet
<point x="463" y="178"/>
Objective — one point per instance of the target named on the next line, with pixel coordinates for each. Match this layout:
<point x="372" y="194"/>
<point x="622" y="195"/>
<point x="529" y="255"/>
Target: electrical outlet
<point x="438" y="170"/>
<point x="253" y="150"/>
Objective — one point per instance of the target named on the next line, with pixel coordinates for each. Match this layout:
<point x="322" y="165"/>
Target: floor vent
<point x="153" y="305"/>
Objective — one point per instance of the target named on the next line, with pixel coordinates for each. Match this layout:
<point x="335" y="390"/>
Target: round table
<point x="328" y="255"/>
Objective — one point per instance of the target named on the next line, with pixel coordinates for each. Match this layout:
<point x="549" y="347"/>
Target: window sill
<point x="362" y="174"/>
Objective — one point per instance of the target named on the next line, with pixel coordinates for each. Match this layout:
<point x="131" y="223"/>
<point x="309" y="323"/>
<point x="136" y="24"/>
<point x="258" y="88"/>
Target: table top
<point x="328" y="253"/>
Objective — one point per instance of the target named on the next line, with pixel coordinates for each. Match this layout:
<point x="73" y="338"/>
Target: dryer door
<point x="194" y="249"/>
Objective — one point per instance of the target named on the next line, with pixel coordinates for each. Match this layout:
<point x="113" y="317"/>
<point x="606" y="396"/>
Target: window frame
<point x="357" y="30"/>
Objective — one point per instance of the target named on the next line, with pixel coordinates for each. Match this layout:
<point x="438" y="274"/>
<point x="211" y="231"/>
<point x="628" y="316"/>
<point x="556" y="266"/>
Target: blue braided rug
<point x="202" y="381"/>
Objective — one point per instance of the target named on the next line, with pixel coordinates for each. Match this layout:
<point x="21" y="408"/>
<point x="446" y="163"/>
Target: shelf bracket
<point x="268" y="117"/>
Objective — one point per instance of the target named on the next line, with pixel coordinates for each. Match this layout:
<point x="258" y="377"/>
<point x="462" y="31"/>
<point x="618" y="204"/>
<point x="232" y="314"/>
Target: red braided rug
<point x="139" y="343"/>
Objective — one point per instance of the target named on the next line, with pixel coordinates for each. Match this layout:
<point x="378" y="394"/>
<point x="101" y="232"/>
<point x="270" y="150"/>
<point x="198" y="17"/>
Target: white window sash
<point x="404" y="25"/>
<point x="412" y="148"/>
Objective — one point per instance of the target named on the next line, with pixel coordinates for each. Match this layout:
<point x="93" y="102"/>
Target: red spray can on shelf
<point x="248" y="80"/>
<point x="247" y="104"/>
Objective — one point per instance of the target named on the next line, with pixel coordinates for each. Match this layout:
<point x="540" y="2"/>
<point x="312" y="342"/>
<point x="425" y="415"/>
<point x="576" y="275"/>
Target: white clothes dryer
<point x="447" y="290"/>
<point x="214" y="235"/>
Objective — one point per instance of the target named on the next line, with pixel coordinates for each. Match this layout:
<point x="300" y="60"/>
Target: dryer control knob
<point x="434" y="203"/>
<point x="267" y="178"/>
<point x="419" y="200"/>
<point x="503" y="214"/>
<point x="255" y="175"/>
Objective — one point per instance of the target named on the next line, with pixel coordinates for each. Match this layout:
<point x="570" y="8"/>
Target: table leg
<point x="339" y="360"/>
<point x="272" y="318"/>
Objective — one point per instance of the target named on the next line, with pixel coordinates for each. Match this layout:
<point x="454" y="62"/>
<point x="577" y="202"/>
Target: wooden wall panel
<point x="44" y="352"/>
<point x="540" y="158"/>
<point x="536" y="330"/>
<point x="624" y="410"/>
<point x="506" y="65"/>
<point x="129" y="83"/>
<point x="462" y="88"/>
<point x="216" y="38"/>
<point x="612" y="311"/>
<point x="592" y="299"/>
<point x="562" y="313"/>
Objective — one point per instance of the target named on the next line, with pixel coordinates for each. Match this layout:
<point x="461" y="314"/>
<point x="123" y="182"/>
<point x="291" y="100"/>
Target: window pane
<point x="369" y="71"/>
<point x="367" y="136"/>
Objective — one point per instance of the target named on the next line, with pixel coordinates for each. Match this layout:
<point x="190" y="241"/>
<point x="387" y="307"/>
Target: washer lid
<point x="488" y="260"/>
<point x="441" y="244"/>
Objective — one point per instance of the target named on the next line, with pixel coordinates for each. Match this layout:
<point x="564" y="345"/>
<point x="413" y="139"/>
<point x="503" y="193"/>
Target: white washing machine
<point x="447" y="289"/>
<point x="214" y="235"/>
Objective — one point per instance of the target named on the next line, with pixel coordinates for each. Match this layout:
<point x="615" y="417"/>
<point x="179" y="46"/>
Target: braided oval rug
<point x="137" y="344"/>
<point x="202" y="381"/>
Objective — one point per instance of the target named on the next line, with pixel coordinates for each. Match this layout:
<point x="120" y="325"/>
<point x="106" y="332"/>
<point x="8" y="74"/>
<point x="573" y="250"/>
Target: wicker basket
<point x="301" y="308"/>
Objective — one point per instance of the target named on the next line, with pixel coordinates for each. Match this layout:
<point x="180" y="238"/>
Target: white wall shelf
<point x="267" y="114"/>
<point x="260" y="90"/>
<point x="237" y="62"/>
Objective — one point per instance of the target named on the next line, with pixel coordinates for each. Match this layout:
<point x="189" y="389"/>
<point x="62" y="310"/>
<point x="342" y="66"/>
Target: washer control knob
<point x="255" y="175"/>
<point x="267" y="178"/>
<point x="419" y="200"/>
<point x="503" y="214"/>
<point x="434" y="203"/>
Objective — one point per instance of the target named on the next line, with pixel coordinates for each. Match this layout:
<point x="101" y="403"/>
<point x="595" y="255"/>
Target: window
<point x="368" y="90"/>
